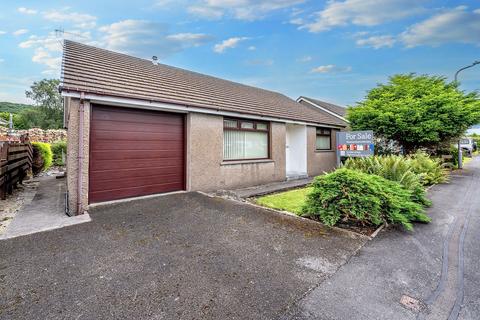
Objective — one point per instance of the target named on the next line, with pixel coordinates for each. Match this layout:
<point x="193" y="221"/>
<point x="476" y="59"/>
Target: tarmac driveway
<point x="182" y="256"/>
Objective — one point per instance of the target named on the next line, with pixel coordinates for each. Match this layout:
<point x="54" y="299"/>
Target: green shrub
<point x="394" y="168"/>
<point x="354" y="196"/>
<point x="18" y="121"/>
<point x="45" y="154"/>
<point x="430" y="170"/>
<point x="57" y="149"/>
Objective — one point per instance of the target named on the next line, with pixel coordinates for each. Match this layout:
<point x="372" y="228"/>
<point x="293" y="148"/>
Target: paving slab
<point x="180" y="256"/>
<point x="243" y="193"/>
<point x="45" y="211"/>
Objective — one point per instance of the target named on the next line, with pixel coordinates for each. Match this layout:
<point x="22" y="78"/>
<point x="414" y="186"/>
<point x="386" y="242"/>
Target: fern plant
<point x="394" y="168"/>
<point x="430" y="170"/>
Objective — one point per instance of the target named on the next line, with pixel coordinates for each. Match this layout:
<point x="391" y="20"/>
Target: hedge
<point x="44" y="151"/>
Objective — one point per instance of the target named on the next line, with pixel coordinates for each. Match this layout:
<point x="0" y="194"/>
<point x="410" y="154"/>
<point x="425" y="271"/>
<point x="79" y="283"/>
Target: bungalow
<point x="137" y="127"/>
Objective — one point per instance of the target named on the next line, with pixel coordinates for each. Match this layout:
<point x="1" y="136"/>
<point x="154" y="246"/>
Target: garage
<point x="134" y="153"/>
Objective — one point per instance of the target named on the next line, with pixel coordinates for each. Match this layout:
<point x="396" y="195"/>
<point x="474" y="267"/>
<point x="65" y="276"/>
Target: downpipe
<point x="67" y="208"/>
<point x="81" y="113"/>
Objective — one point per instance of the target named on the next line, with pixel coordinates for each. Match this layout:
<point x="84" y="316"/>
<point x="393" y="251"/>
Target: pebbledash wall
<point x="319" y="162"/>
<point x="72" y="117"/>
<point x="205" y="168"/>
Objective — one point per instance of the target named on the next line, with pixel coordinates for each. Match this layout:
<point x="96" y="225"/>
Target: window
<point x="245" y="139"/>
<point x="324" y="139"/>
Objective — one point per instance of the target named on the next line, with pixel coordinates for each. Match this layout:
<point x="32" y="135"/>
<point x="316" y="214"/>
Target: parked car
<point x="468" y="146"/>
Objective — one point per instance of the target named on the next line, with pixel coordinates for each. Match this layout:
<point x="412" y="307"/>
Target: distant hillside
<point x="13" y="107"/>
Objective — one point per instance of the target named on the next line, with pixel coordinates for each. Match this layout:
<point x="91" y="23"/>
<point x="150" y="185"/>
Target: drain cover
<point x="411" y="303"/>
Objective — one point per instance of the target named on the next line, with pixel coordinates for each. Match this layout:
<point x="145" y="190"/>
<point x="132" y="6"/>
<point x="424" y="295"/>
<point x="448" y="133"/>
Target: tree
<point x="48" y="111"/>
<point x="416" y="111"/>
<point x="18" y="120"/>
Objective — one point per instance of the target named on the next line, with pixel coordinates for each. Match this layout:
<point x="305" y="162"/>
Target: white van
<point x="468" y="146"/>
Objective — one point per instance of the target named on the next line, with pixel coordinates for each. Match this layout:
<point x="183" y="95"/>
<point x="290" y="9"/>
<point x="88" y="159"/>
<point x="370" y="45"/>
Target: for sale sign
<point x="355" y="143"/>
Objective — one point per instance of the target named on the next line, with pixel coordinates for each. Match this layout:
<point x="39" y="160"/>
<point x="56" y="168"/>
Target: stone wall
<point x="37" y="134"/>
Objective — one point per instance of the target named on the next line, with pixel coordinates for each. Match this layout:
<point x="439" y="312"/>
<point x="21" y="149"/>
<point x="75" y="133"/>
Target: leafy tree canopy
<point x="48" y="111"/>
<point x="416" y="111"/>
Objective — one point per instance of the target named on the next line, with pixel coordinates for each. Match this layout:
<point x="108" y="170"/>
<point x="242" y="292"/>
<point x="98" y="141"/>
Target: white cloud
<point x="79" y="20"/>
<point x="194" y="39"/>
<point x="163" y="3"/>
<point x="20" y="32"/>
<point x="260" y="62"/>
<point x="52" y="42"/>
<point x="2" y="60"/>
<point x="47" y="49"/>
<point x="305" y="59"/>
<point x="330" y="68"/>
<point x="147" y="38"/>
<point x="49" y="42"/>
<point x="44" y="56"/>
<point x="457" y="25"/>
<point x="205" y="12"/>
<point x="26" y="10"/>
<point x="377" y="42"/>
<point x="252" y="48"/>
<point x="228" y="44"/>
<point x="239" y="9"/>
<point x="297" y="21"/>
<point x="361" y="12"/>
<point x="2" y="32"/>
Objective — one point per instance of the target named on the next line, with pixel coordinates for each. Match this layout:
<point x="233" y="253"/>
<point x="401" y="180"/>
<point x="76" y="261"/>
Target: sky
<point x="330" y="50"/>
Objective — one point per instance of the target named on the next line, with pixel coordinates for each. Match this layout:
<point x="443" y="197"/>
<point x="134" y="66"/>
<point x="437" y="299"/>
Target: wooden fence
<point x="15" y="161"/>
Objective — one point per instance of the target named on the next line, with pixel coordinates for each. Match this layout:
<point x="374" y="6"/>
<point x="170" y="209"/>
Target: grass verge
<point x="291" y="201"/>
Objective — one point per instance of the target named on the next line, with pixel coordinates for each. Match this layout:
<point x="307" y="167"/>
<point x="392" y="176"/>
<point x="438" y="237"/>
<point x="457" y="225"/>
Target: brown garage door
<point x="134" y="153"/>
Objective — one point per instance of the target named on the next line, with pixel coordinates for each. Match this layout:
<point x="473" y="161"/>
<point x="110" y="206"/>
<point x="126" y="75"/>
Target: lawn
<point x="291" y="201"/>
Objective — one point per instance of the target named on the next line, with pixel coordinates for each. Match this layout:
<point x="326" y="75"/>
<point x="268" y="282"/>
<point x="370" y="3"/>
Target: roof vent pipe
<point x="155" y="60"/>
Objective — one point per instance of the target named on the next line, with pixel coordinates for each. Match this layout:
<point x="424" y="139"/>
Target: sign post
<point x="354" y="144"/>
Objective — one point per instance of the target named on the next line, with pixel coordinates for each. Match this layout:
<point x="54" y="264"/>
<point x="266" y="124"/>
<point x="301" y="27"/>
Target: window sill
<point x="232" y="162"/>
<point x="322" y="151"/>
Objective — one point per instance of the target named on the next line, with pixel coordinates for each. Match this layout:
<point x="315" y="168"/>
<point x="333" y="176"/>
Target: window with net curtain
<point x="324" y="139"/>
<point x="245" y="139"/>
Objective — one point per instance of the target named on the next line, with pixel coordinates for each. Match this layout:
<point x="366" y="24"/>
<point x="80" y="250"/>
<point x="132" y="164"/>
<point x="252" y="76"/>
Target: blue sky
<point x="331" y="50"/>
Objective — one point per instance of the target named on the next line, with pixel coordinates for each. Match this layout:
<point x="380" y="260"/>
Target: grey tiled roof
<point x="93" y="70"/>
<point x="341" y="111"/>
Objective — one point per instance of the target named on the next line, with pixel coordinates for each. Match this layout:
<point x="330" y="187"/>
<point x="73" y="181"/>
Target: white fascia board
<point x="324" y="109"/>
<point x="161" y="106"/>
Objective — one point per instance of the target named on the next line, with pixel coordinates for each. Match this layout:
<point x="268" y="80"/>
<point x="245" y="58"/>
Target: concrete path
<point x="437" y="265"/>
<point x="179" y="256"/>
<point x="45" y="212"/>
<point x="248" y="192"/>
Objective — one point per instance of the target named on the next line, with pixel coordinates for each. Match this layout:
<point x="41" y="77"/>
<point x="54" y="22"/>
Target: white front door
<point x="296" y="151"/>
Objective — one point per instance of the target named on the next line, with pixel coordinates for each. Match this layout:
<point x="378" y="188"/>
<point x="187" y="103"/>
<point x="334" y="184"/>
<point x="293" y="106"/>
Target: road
<point x="437" y="266"/>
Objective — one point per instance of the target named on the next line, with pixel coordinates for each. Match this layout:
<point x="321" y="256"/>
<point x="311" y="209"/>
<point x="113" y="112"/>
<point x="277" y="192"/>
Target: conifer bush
<point x="352" y="196"/>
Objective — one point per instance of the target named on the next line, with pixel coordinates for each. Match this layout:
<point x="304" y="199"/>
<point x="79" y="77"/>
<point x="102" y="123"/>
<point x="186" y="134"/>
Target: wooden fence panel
<point x="15" y="161"/>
